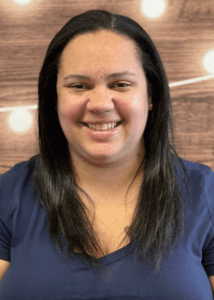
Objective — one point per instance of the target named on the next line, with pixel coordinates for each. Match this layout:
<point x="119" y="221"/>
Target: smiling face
<point x="101" y="81"/>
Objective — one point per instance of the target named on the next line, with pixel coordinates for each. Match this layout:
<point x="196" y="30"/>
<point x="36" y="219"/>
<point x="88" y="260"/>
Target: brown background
<point x="182" y="35"/>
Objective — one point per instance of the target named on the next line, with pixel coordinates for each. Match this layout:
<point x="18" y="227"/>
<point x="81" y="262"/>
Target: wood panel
<point x="182" y="35"/>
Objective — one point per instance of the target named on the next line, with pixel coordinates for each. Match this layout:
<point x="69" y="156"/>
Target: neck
<point x="109" y="184"/>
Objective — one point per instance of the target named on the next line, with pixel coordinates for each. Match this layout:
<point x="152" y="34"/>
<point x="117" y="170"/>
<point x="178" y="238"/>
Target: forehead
<point x="105" y="47"/>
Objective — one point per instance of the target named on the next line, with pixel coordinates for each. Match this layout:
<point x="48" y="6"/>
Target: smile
<point x="102" y="127"/>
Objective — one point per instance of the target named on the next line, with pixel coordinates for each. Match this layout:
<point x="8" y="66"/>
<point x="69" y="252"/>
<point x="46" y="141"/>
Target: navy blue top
<point x="38" y="271"/>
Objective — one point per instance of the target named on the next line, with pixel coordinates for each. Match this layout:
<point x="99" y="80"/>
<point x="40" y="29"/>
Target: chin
<point x="103" y="158"/>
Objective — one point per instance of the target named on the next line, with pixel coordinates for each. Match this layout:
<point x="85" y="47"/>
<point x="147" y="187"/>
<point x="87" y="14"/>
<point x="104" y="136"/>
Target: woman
<point x="106" y="181"/>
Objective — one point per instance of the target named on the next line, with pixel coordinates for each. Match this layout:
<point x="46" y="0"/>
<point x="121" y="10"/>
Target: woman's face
<point x="101" y="82"/>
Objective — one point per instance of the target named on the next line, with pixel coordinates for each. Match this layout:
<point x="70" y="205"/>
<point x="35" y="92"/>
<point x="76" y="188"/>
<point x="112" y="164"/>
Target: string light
<point x="22" y="2"/>
<point x="153" y="8"/>
<point x="189" y="81"/>
<point x="12" y="108"/>
<point x="209" y="61"/>
<point x="20" y="120"/>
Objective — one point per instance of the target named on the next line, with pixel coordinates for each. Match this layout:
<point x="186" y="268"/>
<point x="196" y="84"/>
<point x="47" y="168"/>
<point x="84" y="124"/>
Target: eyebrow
<point x="113" y="75"/>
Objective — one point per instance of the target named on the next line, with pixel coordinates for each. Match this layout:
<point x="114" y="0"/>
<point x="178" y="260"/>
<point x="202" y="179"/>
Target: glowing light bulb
<point x="153" y="8"/>
<point x="20" y="120"/>
<point x="209" y="61"/>
<point x="22" y="2"/>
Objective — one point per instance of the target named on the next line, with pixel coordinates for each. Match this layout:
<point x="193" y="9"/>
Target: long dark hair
<point x="158" y="219"/>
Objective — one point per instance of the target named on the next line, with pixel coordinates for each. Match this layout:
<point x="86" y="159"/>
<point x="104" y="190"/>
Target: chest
<point x="110" y="228"/>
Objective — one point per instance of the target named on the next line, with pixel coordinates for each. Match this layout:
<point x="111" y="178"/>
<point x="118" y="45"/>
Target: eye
<point x="122" y="84"/>
<point x="77" y="86"/>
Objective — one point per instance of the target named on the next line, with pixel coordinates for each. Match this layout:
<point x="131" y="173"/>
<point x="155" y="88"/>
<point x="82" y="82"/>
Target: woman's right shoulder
<point x="16" y="196"/>
<point x="18" y="171"/>
<point x="14" y="180"/>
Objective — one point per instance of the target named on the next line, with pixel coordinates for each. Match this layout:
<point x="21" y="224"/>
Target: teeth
<point x="103" y="126"/>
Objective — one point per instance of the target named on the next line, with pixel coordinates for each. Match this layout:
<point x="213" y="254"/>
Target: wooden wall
<point x="182" y="35"/>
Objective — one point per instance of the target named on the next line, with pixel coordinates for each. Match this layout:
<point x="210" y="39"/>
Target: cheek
<point x="134" y="109"/>
<point x="138" y="109"/>
<point x="69" y="110"/>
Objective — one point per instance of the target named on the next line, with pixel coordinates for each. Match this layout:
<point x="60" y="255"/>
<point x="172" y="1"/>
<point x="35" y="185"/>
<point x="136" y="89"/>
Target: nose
<point x="100" y="100"/>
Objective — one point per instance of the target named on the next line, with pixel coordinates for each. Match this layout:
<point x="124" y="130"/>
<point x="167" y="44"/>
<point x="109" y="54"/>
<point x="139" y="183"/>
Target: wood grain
<point x="182" y="35"/>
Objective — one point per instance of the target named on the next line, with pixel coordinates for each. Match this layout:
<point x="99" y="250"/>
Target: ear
<point x="150" y="102"/>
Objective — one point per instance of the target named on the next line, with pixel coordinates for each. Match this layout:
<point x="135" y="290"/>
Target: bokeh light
<point x="22" y="2"/>
<point x="20" y="120"/>
<point x="209" y="61"/>
<point x="153" y="8"/>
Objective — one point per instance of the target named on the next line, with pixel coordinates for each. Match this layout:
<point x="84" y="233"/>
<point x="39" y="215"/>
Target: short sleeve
<point x="208" y="253"/>
<point x="6" y="199"/>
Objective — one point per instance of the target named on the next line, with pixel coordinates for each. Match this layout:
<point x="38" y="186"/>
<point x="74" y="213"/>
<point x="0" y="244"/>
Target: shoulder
<point x="196" y="182"/>
<point x="200" y="175"/>
<point x="17" y="198"/>
<point x="191" y="167"/>
<point x="17" y="173"/>
<point x="197" y="173"/>
<point x="14" y="183"/>
<point x="194" y="167"/>
<point x="201" y="182"/>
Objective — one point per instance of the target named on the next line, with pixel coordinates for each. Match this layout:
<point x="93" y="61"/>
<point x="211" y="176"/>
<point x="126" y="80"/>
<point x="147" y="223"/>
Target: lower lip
<point x="102" y="135"/>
